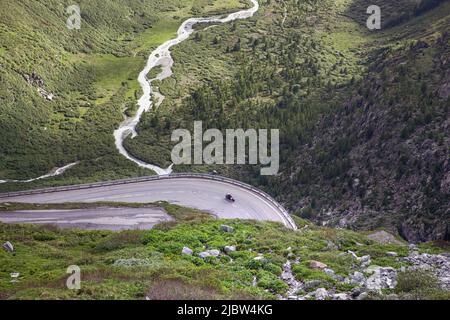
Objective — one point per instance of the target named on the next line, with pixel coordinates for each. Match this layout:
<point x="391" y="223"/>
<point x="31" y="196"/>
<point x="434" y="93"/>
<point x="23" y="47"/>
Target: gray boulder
<point x="391" y="254"/>
<point x="226" y="228"/>
<point x="321" y="294"/>
<point x="229" y="249"/>
<point x="187" y="251"/>
<point x="365" y="261"/>
<point x="356" y="292"/>
<point x="8" y="246"/>
<point x="340" y="296"/>
<point x="204" y="254"/>
<point x="214" y="253"/>
<point x="356" y="278"/>
<point x="329" y="272"/>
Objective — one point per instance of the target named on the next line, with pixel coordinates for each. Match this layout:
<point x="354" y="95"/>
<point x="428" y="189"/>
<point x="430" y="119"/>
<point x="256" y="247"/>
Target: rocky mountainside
<point x="382" y="158"/>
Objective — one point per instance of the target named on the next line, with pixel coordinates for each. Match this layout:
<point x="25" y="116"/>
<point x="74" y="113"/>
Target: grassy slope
<point x="319" y="62"/>
<point x="44" y="252"/>
<point x="92" y="73"/>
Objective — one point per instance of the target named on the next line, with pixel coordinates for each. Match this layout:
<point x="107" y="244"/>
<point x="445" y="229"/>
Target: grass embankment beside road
<point x="148" y="263"/>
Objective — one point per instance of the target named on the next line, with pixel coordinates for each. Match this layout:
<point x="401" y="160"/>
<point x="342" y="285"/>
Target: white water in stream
<point x="159" y="57"/>
<point x="53" y="173"/>
<point x="162" y="57"/>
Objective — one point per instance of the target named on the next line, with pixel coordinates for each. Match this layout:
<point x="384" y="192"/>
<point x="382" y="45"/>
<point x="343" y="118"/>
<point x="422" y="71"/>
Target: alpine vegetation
<point x="238" y="147"/>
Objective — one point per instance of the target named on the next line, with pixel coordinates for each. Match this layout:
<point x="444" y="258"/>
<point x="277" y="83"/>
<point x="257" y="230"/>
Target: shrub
<point x="420" y="285"/>
<point x="415" y="280"/>
<point x="120" y="240"/>
<point x="269" y="281"/>
<point x="44" y="236"/>
<point x="177" y="289"/>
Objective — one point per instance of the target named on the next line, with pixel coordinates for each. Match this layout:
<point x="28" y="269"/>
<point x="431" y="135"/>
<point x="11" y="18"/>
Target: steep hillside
<point x="363" y="115"/>
<point x="62" y="92"/>
<point x="197" y="257"/>
<point x="382" y="158"/>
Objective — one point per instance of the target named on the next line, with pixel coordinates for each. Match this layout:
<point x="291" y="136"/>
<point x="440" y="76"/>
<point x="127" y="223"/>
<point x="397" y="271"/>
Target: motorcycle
<point x="229" y="198"/>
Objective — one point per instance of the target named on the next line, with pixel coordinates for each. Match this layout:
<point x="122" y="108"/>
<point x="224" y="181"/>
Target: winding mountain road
<point x="202" y="192"/>
<point x="207" y="194"/>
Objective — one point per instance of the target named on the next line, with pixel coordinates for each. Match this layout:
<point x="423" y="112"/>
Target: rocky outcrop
<point x="381" y="278"/>
<point x="381" y="160"/>
<point x="35" y="80"/>
<point x="366" y="280"/>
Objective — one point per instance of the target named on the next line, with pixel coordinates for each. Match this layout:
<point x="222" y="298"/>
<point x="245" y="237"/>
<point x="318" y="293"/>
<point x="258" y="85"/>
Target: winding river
<point x="53" y="173"/>
<point x="161" y="57"/>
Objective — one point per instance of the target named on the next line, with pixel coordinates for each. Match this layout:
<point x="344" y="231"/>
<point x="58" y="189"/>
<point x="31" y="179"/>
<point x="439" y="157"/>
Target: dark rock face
<point x="421" y="232"/>
<point x="381" y="159"/>
<point x="35" y="80"/>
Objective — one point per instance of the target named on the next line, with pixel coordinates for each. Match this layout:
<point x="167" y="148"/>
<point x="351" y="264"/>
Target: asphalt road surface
<point x="203" y="194"/>
<point x="101" y="218"/>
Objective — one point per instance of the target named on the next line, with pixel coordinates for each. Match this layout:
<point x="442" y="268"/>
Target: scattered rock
<point x="340" y="296"/>
<point x="365" y="261"/>
<point x="213" y="253"/>
<point x="371" y="269"/>
<point x="204" y="254"/>
<point x="356" y="278"/>
<point x="352" y="254"/>
<point x="391" y="254"/>
<point x="226" y="228"/>
<point x="356" y="292"/>
<point x="15" y="276"/>
<point x="45" y="94"/>
<point x="35" y="80"/>
<point x="312" y="284"/>
<point x="363" y="296"/>
<point x="382" y="278"/>
<point x="329" y="272"/>
<point x="229" y="249"/>
<point x="317" y="265"/>
<point x="321" y="294"/>
<point x="437" y="264"/>
<point x="288" y="277"/>
<point x="187" y="251"/>
<point x="8" y="246"/>
<point x="254" y="281"/>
